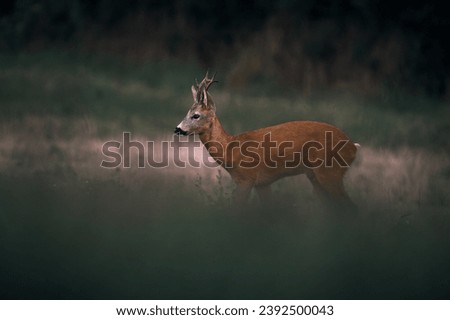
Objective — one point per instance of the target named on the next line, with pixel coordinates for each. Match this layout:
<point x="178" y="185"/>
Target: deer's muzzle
<point x="179" y="131"/>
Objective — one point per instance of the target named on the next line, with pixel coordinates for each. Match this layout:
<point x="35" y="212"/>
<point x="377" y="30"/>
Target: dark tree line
<point x="422" y="26"/>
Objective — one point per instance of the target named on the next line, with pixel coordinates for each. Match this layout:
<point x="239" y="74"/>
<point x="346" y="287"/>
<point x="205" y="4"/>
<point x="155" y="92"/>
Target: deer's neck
<point x="216" y="141"/>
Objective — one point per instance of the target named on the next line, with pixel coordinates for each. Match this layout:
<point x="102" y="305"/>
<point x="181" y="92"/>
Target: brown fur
<point x="228" y="150"/>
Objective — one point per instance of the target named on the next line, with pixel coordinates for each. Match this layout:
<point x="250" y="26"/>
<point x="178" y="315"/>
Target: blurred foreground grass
<point x="70" y="229"/>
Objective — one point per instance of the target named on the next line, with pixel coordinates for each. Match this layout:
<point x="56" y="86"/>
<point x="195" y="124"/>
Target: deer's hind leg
<point x="328" y="184"/>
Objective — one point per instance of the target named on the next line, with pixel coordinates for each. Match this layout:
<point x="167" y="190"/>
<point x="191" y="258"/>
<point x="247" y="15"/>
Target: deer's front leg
<point x="265" y="194"/>
<point x="242" y="193"/>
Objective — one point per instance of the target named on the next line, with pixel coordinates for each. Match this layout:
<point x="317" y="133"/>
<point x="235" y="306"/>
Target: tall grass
<point x="71" y="229"/>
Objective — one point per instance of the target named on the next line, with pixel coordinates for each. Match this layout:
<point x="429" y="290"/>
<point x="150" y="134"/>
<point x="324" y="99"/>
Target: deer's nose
<point x="179" y="131"/>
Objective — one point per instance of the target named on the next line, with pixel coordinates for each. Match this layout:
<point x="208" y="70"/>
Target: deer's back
<point x="287" y="142"/>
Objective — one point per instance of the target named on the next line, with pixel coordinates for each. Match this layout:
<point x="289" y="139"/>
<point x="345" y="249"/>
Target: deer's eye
<point x="196" y="116"/>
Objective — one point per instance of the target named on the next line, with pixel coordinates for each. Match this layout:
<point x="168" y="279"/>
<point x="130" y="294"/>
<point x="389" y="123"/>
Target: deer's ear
<point x="194" y="94"/>
<point x="205" y="98"/>
<point x="207" y="101"/>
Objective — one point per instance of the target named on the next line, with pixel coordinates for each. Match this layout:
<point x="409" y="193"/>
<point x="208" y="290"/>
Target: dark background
<point x="76" y="74"/>
<point x="358" y="45"/>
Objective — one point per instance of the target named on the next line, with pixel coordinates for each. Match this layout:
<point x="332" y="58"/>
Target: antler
<point x="206" y="83"/>
<point x="200" y="92"/>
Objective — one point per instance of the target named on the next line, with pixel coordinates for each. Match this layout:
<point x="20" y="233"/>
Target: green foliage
<point x="306" y="45"/>
<point x="72" y="230"/>
<point x="101" y="87"/>
<point x="154" y="97"/>
<point x="100" y="240"/>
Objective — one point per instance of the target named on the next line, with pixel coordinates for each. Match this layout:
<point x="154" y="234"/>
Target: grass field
<point x="71" y="229"/>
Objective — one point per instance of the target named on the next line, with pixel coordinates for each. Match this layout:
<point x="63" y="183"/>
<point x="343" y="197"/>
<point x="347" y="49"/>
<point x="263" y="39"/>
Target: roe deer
<point x="258" y="158"/>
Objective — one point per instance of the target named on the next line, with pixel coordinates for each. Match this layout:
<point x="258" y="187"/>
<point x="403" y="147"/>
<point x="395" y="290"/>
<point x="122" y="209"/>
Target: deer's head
<point x="202" y="112"/>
